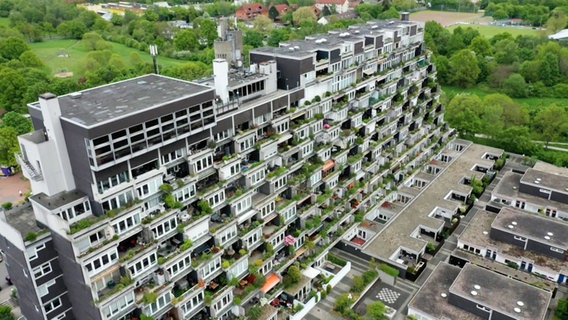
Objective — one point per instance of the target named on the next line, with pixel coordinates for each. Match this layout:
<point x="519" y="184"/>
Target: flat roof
<point x="508" y="188"/>
<point x="545" y="179"/>
<point x="22" y="218"/>
<point x="334" y="39"/>
<point x="550" y="168"/>
<point x="429" y="297"/>
<point x="477" y="233"/>
<point x="57" y="200"/>
<point x="504" y="269"/>
<point x="396" y="233"/>
<point x="533" y="226"/>
<point x="501" y="293"/>
<point x="110" y="102"/>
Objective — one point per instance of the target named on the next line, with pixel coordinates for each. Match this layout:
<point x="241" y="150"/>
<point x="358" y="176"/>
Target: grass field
<point x="531" y="104"/>
<point x="489" y="31"/>
<point x="50" y="52"/>
<point x="5" y="22"/>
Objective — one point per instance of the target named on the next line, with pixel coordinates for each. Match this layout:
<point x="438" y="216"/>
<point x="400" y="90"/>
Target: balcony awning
<point x="328" y="165"/>
<point x="271" y="281"/>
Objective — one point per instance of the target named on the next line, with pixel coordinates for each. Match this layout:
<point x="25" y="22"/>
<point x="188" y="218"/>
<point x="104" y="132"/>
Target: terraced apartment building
<point x="181" y="200"/>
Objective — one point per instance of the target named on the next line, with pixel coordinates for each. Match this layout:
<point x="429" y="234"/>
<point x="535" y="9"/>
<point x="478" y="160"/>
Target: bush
<point x="335" y="259"/>
<point x="186" y="245"/>
<point x="149" y="297"/>
<point x="6" y="313"/>
<point x="369" y="276"/>
<point x="7" y="205"/>
<point x="388" y="270"/>
<point x="30" y="236"/>
<point x="358" y="284"/>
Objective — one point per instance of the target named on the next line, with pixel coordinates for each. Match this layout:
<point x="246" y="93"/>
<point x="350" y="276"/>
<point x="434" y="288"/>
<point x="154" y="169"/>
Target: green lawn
<point x="5" y="22"/>
<point x="531" y="104"/>
<point x="51" y="53"/>
<point x="489" y="31"/>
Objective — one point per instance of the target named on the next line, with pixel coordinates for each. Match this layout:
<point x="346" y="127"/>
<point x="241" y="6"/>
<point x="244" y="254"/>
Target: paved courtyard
<point x="10" y="188"/>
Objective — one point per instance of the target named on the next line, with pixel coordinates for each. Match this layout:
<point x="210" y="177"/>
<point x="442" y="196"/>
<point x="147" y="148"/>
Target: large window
<point x="119" y="304"/>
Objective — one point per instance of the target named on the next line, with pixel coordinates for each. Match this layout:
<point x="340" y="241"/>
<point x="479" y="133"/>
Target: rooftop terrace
<point x="397" y="232"/>
<point x="22" y="219"/>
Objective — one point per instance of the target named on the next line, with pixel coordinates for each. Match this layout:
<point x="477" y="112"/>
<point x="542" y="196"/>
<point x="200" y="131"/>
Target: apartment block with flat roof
<point x="192" y="200"/>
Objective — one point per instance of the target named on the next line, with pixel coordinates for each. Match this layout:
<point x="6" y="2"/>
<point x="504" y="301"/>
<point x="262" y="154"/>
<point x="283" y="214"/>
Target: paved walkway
<point x="10" y="188"/>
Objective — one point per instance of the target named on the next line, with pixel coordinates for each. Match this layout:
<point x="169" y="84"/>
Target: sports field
<point x="62" y="56"/>
<point x="446" y="18"/>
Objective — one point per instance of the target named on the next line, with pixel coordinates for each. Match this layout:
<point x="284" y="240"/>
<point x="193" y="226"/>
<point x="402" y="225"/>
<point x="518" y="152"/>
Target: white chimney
<point x="221" y="74"/>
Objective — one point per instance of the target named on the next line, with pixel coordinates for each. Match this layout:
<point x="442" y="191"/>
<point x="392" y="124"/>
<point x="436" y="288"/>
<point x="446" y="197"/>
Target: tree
<point x="30" y="60"/>
<point x="292" y="276"/>
<point x="12" y="89"/>
<point x="277" y="36"/>
<point x="391" y="13"/>
<point x="343" y="302"/>
<point x="512" y="114"/>
<point x="273" y="13"/>
<point x="506" y="51"/>
<point x="8" y="146"/>
<point x="557" y="21"/>
<point x="517" y="139"/>
<point x="208" y="31"/>
<point x="464" y="69"/>
<point x="253" y="38"/>
<point x="93" y="41"/>
<point x="376" y="311"/>
<point x="464" y="113"/>
<point x="185" y="40"/>
<point x="549" y="69"/>
<point x="71" y="29"/>
<point x="481" y="46"/>
<point x="17" y="121"/>
<point x="304" y="13"/>
<point x="551" y="122"/>
<point x="325" y="11"/>
<point x="262" y="24"/>
<point x="515" y="86"/>
<point x="12" y="48"/>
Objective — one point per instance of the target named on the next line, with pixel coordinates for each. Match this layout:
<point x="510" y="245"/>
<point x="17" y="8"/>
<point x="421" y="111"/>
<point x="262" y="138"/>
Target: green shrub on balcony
<point x="30" y="236"/>
<point x="185" y="245"/>
<point x="149" y="297"/>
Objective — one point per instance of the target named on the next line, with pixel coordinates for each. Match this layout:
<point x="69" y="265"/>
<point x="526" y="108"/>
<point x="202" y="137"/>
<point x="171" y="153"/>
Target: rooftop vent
<point x="550" y="234"/>
<point x="476" y="286"/>
<point x="473" y="292"/>
<point x="510" y="226"/>
<point x="537" y="182"/>
<point x="344" y="34"/>
<point x="520" y="303"/>
<point x="514" y="223"/>
<point x="547" y="237"/>
<point x="517" y="309"/>
<point x="515" y="188"/>
<point x="485" y="232"/>
<point x="443" y="294"/>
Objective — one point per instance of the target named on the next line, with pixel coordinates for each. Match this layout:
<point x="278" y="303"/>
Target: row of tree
<point x="496" y="119"/>
<point x="521" y="67"/>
